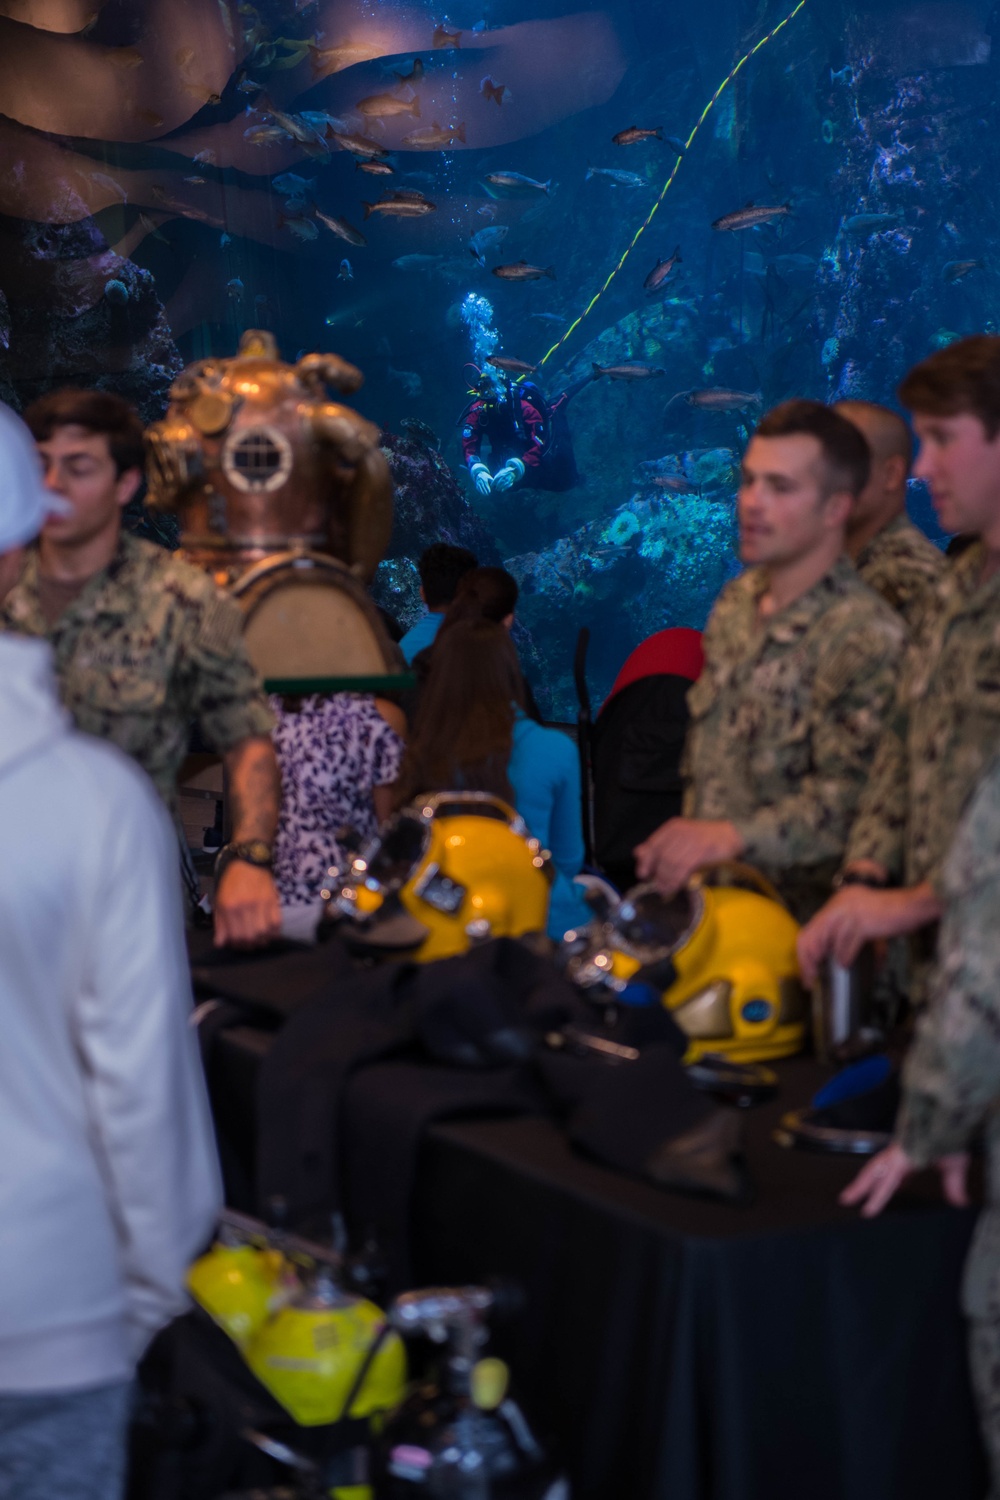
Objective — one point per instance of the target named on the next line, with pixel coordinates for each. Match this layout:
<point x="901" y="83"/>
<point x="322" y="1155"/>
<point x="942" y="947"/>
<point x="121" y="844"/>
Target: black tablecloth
<point x="686" y="1350"/>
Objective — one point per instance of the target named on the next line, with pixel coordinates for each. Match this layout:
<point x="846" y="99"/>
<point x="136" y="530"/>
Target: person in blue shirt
<point x="440" y="568"/>
<point x="472" y="733"/>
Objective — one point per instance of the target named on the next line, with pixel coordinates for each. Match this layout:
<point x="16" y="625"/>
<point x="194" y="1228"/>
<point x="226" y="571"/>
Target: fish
<point x="718" y="398"/>
<point x="303" y="229"/>
<point x="346" y="271"/>
<point x="487" y="239"/>
<point x="658" y="275"/>
<point x="149" y="225"/>
<point x="292" y="185"/>
<point x="547" y="317"/>
<point x="326" y="60"/>
<point x="235" y="288"/>
<point x="445" y="38"/>
<point x="376" y="168"/>
<point x="401" y="205"/>
<point x="224" y="240"/>
<point x="415" y="74"/>
<point x="487" y="211"/>
<point x="195" y="181"/>
<point x="360" y="145"/>
<point x="633" y="134"/>
<point x="248" y="85"/>
<point x="630" y="371"/>
<point x="408" y="379"/>
<point x="494" y="91"/>
<point x="675" y="143"/>
<point x="620" y="179"/>
<point x="866" y="224"/>
<point x="674" y="482"/>
<point x="419" y="432"/>
<point x="752" y="215"/>
<point x="265" y="135"/>
<point x="521" y="271"/>
<point x="387" y="106"/>
<point x="103" y="180"/>
<point x="956" y="269"/>
<point x="204" y="158"/>
<point x="295" y="208"/>
<point x="415" y="262"/>
<point x="434" y="136"/>
<point x="511" y="366"/>
<point x="341" y="229"/>
<point x="125" y="58"/>
<point x="514" y="184"/>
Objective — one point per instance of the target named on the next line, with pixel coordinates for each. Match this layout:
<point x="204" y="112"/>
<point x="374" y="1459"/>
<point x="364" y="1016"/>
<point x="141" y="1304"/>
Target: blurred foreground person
<point x="800" y="671"/>
<point x="145" y="645"/>
<point x="945" y="726"/>
<point x="472" y="734"/>
<point x="441" y="566"/>
<point x="891" y="554"/>
<point x="108" y="1175"/>
<point x="951" y="1084"/>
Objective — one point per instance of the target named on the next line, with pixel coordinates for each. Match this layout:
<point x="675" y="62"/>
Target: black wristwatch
<point x="253" y="852"/>
<point x="858" y="877"/>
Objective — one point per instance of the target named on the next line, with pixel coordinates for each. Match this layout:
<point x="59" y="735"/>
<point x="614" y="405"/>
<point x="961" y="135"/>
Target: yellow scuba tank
<point x="238" y="1285"/>
<point x="453" y="869"/>
<point x="724" y="957"/>
<point x="311" y="1353"/>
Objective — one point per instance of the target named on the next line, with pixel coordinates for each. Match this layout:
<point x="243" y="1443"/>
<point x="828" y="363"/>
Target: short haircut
<point x="887" y="434"/>
<point x="846" y="455"/>
<point x="489" y="593"/>
<point x="962" y="378"/>
<point x="99" y="412"/>
<point x="440" y="567"/>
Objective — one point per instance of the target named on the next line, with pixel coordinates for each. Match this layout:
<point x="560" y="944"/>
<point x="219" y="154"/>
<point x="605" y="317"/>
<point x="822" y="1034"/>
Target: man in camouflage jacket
<point x="800" y="669"/>
<point x="891" y="554"/>
<point x="951" y="1082"/>
<point x="945" y="726"/>
<point x="145" y="645"/>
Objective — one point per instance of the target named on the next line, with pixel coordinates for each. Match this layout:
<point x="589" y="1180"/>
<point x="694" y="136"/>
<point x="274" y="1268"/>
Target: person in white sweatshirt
<point x="109" y="1183"/>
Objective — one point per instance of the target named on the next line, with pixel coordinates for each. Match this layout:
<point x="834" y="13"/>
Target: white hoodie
<point x="108" y="1176"/>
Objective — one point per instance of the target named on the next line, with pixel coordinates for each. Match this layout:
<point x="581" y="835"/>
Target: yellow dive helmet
<point x="723" y="956"/>
<point x="451" y="870"/>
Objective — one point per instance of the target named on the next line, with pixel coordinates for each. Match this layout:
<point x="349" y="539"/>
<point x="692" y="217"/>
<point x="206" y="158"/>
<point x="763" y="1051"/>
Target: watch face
<point x="255" y="850"/>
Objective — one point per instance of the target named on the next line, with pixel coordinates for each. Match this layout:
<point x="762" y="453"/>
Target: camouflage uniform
<point x="952" y="1074"/>
<point x="902" y="565"/>
<point x="943" y="731"/>
<point x="149" y="647"/>
<point x="784" y="721"/>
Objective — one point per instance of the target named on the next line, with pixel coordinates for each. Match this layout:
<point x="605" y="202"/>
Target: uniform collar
<point x="792" y="622"/>
<point x="898" y="523"/>
<point x="964" y="574"/>
<point x="107" y="593"/>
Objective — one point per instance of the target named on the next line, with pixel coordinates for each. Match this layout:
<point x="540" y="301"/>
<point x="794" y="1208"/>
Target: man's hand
<point x="857" y="915"/>
<point x="670" y="856"/>
<point x="246" y="905"/>
<point x="879" y="1180"/>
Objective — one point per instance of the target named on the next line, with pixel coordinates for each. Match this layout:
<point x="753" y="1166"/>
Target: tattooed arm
<point x="247" y="911"/>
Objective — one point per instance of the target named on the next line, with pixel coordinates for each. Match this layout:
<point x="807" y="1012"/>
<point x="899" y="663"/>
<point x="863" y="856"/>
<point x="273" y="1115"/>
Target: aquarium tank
<point x="677" y="214"/>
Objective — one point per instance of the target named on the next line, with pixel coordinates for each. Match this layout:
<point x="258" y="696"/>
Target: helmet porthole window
<point x="257" y="459"/>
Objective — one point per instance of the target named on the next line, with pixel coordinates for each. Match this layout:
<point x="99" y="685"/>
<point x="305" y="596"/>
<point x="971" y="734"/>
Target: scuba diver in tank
<point x="528" y="435"/>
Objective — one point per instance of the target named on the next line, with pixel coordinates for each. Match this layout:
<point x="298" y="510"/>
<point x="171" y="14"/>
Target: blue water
<point x="174" y="169"/>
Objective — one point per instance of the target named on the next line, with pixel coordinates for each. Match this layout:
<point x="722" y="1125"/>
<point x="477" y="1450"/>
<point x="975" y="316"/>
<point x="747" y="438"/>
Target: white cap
<point x="25" y="501"/>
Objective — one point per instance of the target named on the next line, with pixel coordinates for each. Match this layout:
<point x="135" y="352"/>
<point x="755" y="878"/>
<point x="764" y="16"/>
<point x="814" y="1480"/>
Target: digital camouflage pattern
<point x="149" y="648"/>
<point x="951" y="1077"/>
<point x="784" y="721"/>
<point x="943" y="731"/>
<point x="902" y="565"/>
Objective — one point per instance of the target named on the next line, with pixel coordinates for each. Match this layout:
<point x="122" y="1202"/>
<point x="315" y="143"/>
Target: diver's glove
<point x="482" y="478"/>
<point x="512" y="473"/>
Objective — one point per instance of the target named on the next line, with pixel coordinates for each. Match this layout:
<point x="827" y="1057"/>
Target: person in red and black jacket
<point x="528" y="437"/>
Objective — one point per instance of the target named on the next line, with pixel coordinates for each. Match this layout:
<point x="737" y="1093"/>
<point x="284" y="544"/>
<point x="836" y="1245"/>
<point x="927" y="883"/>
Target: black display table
<point x="685" y="1350"/>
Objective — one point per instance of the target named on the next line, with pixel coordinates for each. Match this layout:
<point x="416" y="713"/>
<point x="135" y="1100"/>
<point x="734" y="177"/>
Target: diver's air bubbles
<point x="477" y="315"/>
